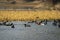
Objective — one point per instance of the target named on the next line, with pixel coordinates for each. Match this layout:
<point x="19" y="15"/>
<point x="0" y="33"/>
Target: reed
<point x="26" y="15"/>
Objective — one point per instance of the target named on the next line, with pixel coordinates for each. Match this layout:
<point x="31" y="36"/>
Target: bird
<point x="59" y="23"/>
<point x="1" y="23"/>
<point x="12" y="26"/>
<point x="38" y="23"/>
<point x="26" y="25"/>
<point x="45" y="22"/>
<point x="42" y="24"/>
<point x="55" y="23"/>
<point x="4" y="23"/>
<point x="9" y="24"/>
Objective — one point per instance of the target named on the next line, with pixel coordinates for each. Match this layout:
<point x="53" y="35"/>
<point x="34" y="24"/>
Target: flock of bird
<point x="55" y="23"/>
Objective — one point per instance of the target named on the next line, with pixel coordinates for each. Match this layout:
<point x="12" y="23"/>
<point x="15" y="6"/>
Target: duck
<point x="59" y="23"/>
<point x="55" y="23"/>
<point x="42" y="24"/>
<point x="38" y="23"/>
<point x="45" y="22"/>
<point x="9" y="24"/>
<point x="26" y="25"/>
<point x="4" y="23"/>
<point x="12" y="26"/>
<point x="1" y="23"/>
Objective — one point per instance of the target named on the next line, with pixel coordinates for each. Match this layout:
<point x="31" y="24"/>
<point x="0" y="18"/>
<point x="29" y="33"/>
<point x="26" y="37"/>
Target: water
<point x="35" y="32"/>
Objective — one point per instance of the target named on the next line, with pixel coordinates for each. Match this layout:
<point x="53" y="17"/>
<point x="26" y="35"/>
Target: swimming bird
<point x="26" y="25"/>
<point x="38" y="23"/>
<point x="12" y="26"/>
<point x="45" y="22"/>
<point x="54" y="23"/>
